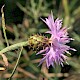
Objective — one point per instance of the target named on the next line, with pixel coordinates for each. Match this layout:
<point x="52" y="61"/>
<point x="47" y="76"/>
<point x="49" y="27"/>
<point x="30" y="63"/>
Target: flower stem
<point x="16" y="64"/>
<point x="14" y="46"/>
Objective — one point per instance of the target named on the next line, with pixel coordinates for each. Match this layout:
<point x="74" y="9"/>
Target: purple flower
<point x="54" y="54"/>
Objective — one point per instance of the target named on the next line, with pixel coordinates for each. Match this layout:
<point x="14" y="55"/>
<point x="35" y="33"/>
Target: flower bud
<point x="37" y="41"/>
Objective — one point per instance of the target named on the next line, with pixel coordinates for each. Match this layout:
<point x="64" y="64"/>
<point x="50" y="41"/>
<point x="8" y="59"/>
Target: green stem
<point x="67" y="12"/>
<point x="3" y="24"/>
<point x="14" y="46"/>
<point x="16" y="64"/>
<point x="66" y="7"/>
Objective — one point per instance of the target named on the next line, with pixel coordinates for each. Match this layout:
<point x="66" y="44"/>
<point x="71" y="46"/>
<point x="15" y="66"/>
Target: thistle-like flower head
<point x="54" y="54"/>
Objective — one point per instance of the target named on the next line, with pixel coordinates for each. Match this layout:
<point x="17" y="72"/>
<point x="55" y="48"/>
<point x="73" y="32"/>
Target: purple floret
<point x="55" y="53"/>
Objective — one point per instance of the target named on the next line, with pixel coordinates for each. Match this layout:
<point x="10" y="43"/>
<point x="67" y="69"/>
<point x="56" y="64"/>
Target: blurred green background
<point x="22" y="20"/>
